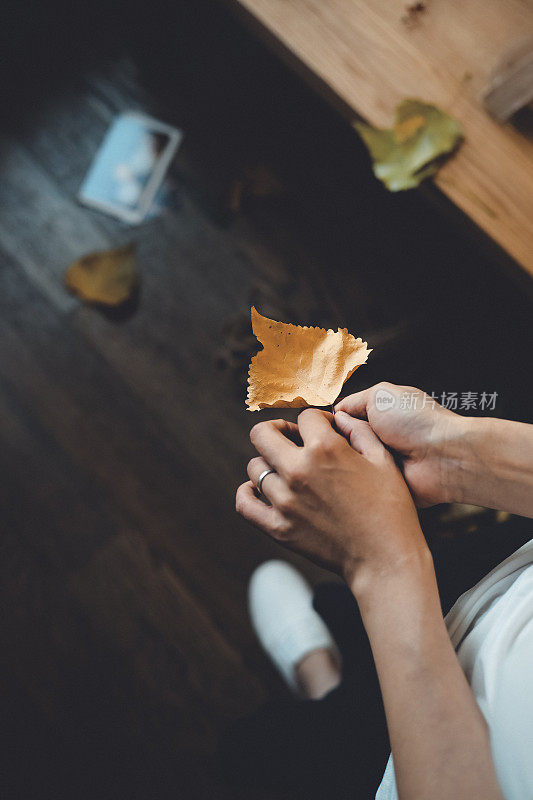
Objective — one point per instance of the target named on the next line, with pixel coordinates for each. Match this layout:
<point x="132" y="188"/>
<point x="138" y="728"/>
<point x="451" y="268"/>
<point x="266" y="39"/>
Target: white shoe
<point x="281" y="608"/>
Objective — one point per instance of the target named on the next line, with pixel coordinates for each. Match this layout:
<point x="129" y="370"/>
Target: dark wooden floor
<point x="126" y="647"/>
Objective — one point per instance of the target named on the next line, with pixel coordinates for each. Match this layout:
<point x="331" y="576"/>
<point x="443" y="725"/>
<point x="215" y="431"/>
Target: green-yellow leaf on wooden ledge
<point x="414" y="149"/>
<point x="107" y="277"/>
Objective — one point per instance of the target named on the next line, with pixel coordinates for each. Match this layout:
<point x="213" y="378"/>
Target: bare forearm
<point x="439" y="738"/>
<point x="493" y="466"/>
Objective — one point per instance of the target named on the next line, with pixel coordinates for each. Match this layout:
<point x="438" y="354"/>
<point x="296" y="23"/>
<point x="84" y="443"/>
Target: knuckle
<point x="329" y="446"/>
<point x="296" y="477"/>
<point x="383" y="386"/>
<point x="255" y="431"/>
<point x="285" y="504"/>
<point x="280" y="528"/>
<point x="253" y="463"/>
<point x="325" y="447"/>
<point x="284" y="426"/>
<point x="314" y="450"/>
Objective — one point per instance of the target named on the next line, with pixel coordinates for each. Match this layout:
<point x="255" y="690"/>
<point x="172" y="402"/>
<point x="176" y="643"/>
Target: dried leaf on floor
<point x="414" y="149"/>
<point x="300" y="366"/>
<point x="107" y="277"/>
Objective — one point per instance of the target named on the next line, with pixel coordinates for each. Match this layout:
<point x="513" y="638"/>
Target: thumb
<point x="355" y="404"/>
<point x="358" y="432"/>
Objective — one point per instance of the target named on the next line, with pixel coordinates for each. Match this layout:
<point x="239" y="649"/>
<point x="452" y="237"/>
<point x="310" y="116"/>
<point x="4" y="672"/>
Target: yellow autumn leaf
<point x="106" y="277"/>
<point x="300" y="366"/>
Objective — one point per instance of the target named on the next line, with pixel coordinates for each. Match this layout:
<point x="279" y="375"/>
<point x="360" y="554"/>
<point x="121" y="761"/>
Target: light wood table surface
<point x="365" y="58"/>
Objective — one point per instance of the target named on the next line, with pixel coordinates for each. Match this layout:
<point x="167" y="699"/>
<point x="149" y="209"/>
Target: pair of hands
<point x="341" y="497"/>
<point x="338" y="495"/>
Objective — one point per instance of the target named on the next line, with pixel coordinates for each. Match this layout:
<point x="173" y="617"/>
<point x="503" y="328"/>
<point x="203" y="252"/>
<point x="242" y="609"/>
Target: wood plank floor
<point x="126" y="647"/>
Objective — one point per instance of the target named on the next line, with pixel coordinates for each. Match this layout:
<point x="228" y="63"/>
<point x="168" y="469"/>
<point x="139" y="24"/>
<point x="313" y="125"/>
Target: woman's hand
<point x="348" y="508"/>
<point x="345" y="507"/>
<point x="431" y="441"/>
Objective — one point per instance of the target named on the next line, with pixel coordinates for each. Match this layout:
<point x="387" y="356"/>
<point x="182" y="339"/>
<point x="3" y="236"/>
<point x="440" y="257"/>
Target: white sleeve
<point x="511" y="706"/>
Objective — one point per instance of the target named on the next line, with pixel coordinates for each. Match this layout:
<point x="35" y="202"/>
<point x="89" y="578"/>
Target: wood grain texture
<point x="365" y="57"/>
